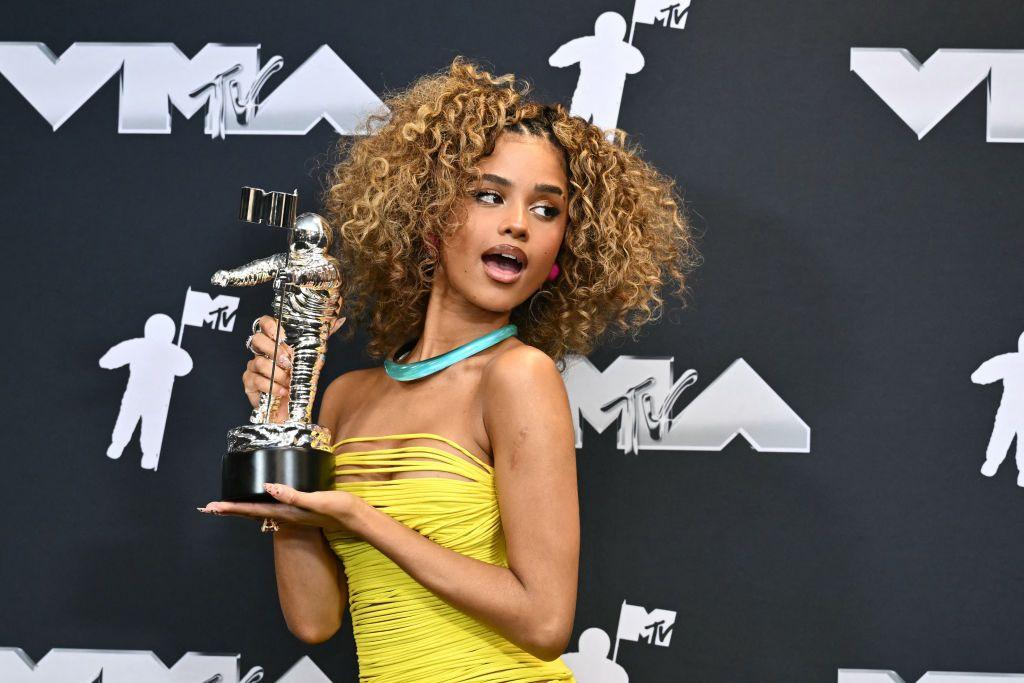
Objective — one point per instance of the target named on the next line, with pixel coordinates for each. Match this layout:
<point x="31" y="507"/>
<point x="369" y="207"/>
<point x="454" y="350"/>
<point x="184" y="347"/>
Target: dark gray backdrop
<point x="862" y="272"/>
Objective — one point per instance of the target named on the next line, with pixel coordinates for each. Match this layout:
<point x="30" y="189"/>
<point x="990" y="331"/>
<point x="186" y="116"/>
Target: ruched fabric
<point x="404" y="633"/>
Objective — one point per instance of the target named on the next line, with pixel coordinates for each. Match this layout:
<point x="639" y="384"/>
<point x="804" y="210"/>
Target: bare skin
<point x="506" y="404"/>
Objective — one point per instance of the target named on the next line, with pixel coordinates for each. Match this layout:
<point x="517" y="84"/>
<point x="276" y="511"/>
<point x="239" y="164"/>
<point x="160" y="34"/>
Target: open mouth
<point x="502" y="267"/>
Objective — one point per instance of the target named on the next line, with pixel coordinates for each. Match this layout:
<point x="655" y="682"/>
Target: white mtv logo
<point x="202" y="310"/>
<point x="591" y="664"/>
<point x="72" y="665"/>
<point x="226" y="79"/>
<point x="922" y="94"/>
<point x="154" y="361"/>
<point x="879" y="676"/>
<point x="641" y="395"/>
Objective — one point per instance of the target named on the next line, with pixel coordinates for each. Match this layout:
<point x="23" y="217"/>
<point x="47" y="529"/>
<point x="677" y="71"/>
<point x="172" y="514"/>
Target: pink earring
<point x="554" y="272"/>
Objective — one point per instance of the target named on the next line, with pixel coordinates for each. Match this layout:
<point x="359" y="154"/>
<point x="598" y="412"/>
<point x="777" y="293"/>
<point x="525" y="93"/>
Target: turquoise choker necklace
<point x="428" y="366"/>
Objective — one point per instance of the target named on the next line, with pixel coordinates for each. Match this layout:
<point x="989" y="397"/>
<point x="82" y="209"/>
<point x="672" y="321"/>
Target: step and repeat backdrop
<point x="811" y="470"/>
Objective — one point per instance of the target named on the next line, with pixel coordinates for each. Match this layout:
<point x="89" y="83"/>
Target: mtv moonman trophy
<point x="306" y="301"/>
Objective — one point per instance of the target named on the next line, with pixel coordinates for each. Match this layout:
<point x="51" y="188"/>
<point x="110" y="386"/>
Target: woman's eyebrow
<point x="539" y="187"/>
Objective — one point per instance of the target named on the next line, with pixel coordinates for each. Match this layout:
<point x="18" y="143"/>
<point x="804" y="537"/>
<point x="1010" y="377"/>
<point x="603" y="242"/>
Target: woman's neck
<point x="449" y="324"/>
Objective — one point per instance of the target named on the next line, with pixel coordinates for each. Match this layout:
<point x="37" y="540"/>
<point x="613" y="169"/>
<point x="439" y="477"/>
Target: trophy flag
<point x="637" y="624"/>
<point x="669" y="13"/>
<point x="203" y="310"/>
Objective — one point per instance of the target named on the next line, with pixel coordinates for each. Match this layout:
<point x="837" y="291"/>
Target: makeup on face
<point x="518" y="206"/>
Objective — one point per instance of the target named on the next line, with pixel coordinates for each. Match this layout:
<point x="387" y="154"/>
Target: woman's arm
<point x="532" y="602"/>
<point x="311" y="581"/>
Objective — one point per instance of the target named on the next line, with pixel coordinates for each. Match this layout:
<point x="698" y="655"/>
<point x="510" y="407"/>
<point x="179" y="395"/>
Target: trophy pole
<point x="277" y="337"/>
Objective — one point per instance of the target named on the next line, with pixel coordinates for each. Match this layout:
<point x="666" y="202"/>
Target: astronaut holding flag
<point x="606" y="58"/>
<point x="154" y="361"/>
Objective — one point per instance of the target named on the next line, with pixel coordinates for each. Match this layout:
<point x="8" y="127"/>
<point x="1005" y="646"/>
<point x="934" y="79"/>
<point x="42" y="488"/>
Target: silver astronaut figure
<point x="307" y="282"/>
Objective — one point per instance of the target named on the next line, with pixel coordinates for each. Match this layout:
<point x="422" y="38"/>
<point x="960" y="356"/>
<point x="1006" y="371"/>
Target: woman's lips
<point x="496" y="272"/>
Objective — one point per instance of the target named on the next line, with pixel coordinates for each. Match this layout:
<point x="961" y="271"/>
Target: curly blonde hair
<point x="401" y="184"/>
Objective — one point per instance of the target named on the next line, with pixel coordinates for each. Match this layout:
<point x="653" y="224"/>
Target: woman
<point x="486" y="237"/>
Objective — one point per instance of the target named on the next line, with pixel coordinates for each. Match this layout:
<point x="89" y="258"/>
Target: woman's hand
<point x="331" y="510"/>
<point x="256" y="377"/>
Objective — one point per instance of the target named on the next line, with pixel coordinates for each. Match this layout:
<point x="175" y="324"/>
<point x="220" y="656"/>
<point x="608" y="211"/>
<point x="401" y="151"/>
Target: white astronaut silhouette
<point x="153" y="361"/>
<point x="605" y="59"/>
<point x="1009" y="421"/>
<point x="591" y="663"/>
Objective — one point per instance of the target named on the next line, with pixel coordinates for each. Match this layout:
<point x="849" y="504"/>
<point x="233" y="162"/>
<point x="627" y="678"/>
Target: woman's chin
<point x="491" y="296"/>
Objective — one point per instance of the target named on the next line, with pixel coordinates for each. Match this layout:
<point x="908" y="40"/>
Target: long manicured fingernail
<point x="284" y="361"/>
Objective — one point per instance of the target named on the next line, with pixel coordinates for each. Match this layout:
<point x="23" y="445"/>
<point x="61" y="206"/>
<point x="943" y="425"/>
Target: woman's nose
<point x="515" y="222"/>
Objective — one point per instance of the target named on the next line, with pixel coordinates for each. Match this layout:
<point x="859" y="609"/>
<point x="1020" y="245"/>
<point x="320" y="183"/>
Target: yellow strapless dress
<point x="404" y="633"/>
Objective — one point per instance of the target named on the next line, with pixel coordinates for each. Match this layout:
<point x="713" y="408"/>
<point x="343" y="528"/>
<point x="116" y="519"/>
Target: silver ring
<point x="269" y="524"/>
<point x="256" y="325"/>
<point x="248" y="343"/>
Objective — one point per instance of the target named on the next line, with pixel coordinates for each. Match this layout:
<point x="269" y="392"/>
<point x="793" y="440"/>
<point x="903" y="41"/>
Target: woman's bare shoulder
<point x="520" y="365"/>
<point x="525" y="408"/>
<point x="345" y="387"/>
<point x="517" y="353"/>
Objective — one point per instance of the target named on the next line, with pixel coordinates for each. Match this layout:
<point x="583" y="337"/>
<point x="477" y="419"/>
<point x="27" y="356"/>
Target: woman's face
<point x="519" y="207"/>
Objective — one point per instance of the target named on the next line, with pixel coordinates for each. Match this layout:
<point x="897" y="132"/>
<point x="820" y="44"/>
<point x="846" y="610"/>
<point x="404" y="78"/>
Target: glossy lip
<point x="511" y="250"/>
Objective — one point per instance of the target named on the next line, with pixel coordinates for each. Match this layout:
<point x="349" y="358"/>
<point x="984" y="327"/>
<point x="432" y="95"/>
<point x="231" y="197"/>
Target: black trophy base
<point x="304" y="468"/>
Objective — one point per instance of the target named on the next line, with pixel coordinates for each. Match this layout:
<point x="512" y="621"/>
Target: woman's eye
<point x="554" y="211"/>
<point x="491" y="197"/>
<point x="486" y="193"/>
